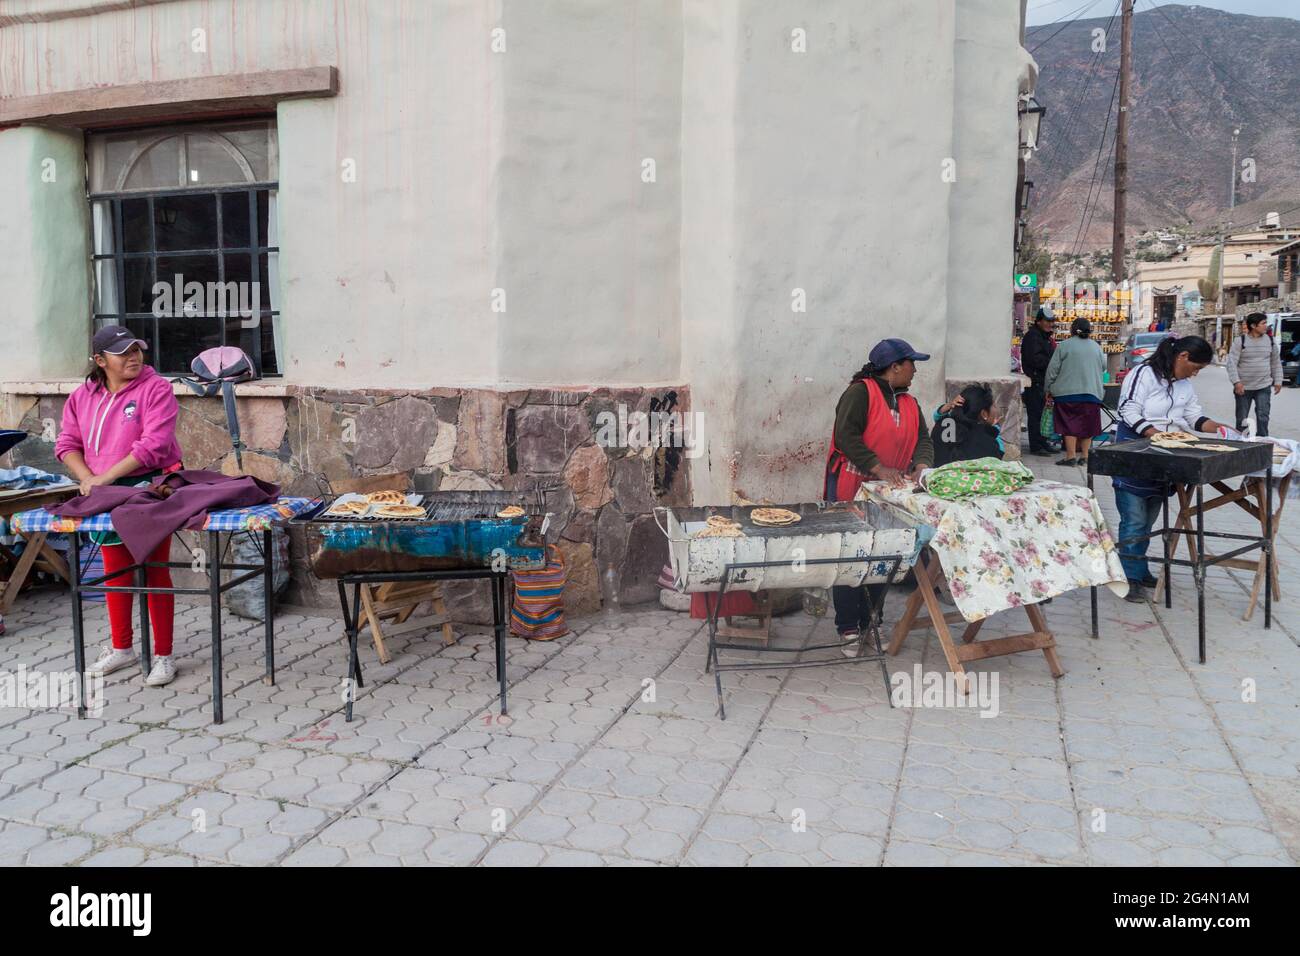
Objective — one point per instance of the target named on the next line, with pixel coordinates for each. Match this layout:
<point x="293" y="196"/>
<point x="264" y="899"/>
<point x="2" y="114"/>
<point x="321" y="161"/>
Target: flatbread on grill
<point x="348" y="509"/>
<point x="1176" y="436"/>
<point x="400" y="511"/>
<point x="1211" y="446"/>
<point x="720" y="521"/>
<point x="386" y="498"/>
<point x="720" y="531"/>
<point x="1161" y="442"/>
<point x="510" y="511"/>
<point x="774" y="517"/>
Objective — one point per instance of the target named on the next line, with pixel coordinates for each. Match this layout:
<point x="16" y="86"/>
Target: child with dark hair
<point x="967" y="428"/>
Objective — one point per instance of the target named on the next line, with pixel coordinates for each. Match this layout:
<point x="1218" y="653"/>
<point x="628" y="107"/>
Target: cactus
<point x="1209" y="286"/>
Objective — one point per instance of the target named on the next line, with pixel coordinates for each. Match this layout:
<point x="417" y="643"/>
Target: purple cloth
<point x="144" y="518"/>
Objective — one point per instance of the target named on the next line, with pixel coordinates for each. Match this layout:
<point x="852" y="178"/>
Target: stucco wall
<point x="986" y="63"/>
<point x="522" y="171"/>
<point x="44" y="254"/>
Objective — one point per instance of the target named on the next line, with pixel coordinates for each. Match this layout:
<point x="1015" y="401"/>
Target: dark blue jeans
<point x="1137" y="516"/>
<point x="1263" y="399"/>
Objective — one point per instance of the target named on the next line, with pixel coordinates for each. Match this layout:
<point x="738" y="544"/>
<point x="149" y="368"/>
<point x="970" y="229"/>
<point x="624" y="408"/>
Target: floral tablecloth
<point x="1000" y="552"/>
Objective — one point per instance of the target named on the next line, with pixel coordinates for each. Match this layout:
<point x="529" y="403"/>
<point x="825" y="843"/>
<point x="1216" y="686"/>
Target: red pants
<point x="161" y="606"/>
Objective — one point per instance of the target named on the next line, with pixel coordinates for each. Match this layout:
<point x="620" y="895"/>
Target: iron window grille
<point x="213" y="223"/>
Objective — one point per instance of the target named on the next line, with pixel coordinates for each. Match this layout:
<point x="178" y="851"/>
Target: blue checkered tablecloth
<point x="256" y="518"/>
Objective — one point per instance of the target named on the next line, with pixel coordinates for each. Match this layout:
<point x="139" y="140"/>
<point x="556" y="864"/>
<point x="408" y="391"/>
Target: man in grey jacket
<point x="1254" y="367"/>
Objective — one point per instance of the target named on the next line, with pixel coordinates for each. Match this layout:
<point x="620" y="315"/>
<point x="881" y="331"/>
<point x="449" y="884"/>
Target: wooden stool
<point x="387" y="608"/>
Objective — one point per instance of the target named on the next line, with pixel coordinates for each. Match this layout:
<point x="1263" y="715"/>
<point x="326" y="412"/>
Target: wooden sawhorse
<point x="929" y="574"/>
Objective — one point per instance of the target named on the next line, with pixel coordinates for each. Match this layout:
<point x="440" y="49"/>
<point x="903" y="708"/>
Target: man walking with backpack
<point x="1254" y="366"/>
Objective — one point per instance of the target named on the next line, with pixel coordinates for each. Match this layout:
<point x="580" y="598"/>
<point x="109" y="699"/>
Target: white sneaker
<point x="112" y="659"/>
<point x="164" y="672"/>
<point x="850" y="650"/>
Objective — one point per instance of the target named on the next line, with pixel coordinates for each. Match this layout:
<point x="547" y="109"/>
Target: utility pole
<point x="1232" y="196"/>
<point x="1121" y="145"/>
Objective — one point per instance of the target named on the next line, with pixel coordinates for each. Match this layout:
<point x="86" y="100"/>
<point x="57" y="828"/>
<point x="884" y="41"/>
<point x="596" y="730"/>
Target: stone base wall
<point x="1006" y="399"/>
<point x="312" y="439"/>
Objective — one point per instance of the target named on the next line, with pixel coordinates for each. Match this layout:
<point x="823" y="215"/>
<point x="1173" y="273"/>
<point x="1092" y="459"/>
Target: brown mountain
<point x="1198" y="73"/>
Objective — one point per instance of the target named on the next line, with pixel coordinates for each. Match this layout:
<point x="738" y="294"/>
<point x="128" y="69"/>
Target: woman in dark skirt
<point x="1075" y="382"/>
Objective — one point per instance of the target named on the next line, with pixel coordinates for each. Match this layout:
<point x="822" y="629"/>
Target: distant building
<point x="1249" y="274"/>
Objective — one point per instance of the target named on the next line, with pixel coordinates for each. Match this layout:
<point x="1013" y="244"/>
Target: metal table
<point x="459" y="537"/>
<point x="845" y="543"/>
<point x="1185" y="469"/>
<point x="260" y="518"/>
<point x="352" y="617"/>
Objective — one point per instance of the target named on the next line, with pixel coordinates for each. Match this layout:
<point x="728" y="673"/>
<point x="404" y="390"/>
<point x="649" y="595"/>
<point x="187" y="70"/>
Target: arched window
<point x="185" y="250"/>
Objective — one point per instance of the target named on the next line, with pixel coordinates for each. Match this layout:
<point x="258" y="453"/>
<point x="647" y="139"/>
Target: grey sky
<point x="1048" y="11"/>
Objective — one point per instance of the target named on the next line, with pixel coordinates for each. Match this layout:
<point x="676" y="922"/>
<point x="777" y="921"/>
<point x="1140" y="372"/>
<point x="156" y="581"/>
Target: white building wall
<point x="522" y="171"/>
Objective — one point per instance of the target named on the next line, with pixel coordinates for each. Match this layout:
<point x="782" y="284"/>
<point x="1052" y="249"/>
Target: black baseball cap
<point x="888" y="351"/>
<point x="1081" y="325"/>
<point x="114" y="340"/>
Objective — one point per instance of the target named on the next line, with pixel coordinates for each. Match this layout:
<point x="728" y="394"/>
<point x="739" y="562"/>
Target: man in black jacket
<point x="1036" y="349"/>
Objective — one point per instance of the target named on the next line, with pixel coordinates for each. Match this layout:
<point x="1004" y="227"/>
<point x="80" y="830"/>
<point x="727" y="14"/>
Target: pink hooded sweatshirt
<point x="138" y="420"/>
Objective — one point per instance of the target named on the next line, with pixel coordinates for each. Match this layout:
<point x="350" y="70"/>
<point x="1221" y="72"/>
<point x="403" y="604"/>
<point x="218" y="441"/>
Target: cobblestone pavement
<point x="1138" y="755"/>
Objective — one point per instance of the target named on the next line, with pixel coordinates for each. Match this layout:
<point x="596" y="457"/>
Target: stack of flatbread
<point x="386" y="498"/>
<point x="510" y="511"/>
<point x="1187" y="440"/>
<point x="717" y="526"/>
<point x="773" y="517"/>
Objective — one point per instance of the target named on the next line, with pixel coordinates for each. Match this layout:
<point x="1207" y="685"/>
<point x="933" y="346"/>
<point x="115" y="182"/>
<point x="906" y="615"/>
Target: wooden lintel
<point x="110" y="105"/>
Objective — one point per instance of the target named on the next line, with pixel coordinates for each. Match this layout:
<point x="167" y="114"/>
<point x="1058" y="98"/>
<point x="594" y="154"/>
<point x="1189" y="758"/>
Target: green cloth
<point x="102" y="538"/>
<point x="976" y="478"/>
<point x="851" y="422"/>
<point x="1077" y="368"/>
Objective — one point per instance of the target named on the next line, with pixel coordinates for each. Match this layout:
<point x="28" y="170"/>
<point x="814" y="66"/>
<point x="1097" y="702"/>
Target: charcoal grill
<point x="1186" y="468"/>
<point x="459" y="537"/>
<point x="850" y="543"/>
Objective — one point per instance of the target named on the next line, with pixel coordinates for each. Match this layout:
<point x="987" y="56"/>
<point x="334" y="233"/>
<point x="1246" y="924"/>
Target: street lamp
<point x="1031" y="117"/>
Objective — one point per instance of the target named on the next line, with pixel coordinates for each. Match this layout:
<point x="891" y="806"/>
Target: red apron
<point x="890" y="434"/>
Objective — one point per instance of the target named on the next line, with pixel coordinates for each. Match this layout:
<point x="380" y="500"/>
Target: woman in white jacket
<point x="1157" y="396"/>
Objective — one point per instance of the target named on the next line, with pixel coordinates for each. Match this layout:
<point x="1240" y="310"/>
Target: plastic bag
<point x="1281" y="466"/>
<point x="249" y="599"/>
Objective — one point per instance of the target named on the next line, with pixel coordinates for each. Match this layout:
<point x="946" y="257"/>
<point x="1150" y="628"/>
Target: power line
<point x="1085" y="81"/>
<point x="1069" y="19"/>
<point x="1105" y="129"/>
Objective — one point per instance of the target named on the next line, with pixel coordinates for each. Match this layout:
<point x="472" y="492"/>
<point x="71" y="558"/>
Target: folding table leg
<point x="925" y="584"/>
<point x="499" y="627"/>
<point x="351" y="620"/>
<point x="1199" y="570"/>
<point x="78" y="633"/>
<point x="146" y="636"/>
<point x="1092" y="591"/>
<point x="1164" y="540"/>
<point x="268" y="592"/>
<point x="214" y="599"/>
<point x="1268" y="548"/>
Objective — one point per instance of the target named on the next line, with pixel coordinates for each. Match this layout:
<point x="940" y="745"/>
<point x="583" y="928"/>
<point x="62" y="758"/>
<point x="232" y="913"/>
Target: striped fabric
<point x="537" y="611"/>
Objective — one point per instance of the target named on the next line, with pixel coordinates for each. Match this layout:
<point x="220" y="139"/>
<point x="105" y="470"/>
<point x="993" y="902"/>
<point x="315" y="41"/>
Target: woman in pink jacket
<point x="120" y="428"/>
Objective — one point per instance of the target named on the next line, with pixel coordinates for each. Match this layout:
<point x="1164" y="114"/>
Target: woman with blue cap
<point x="879" y="435"/>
